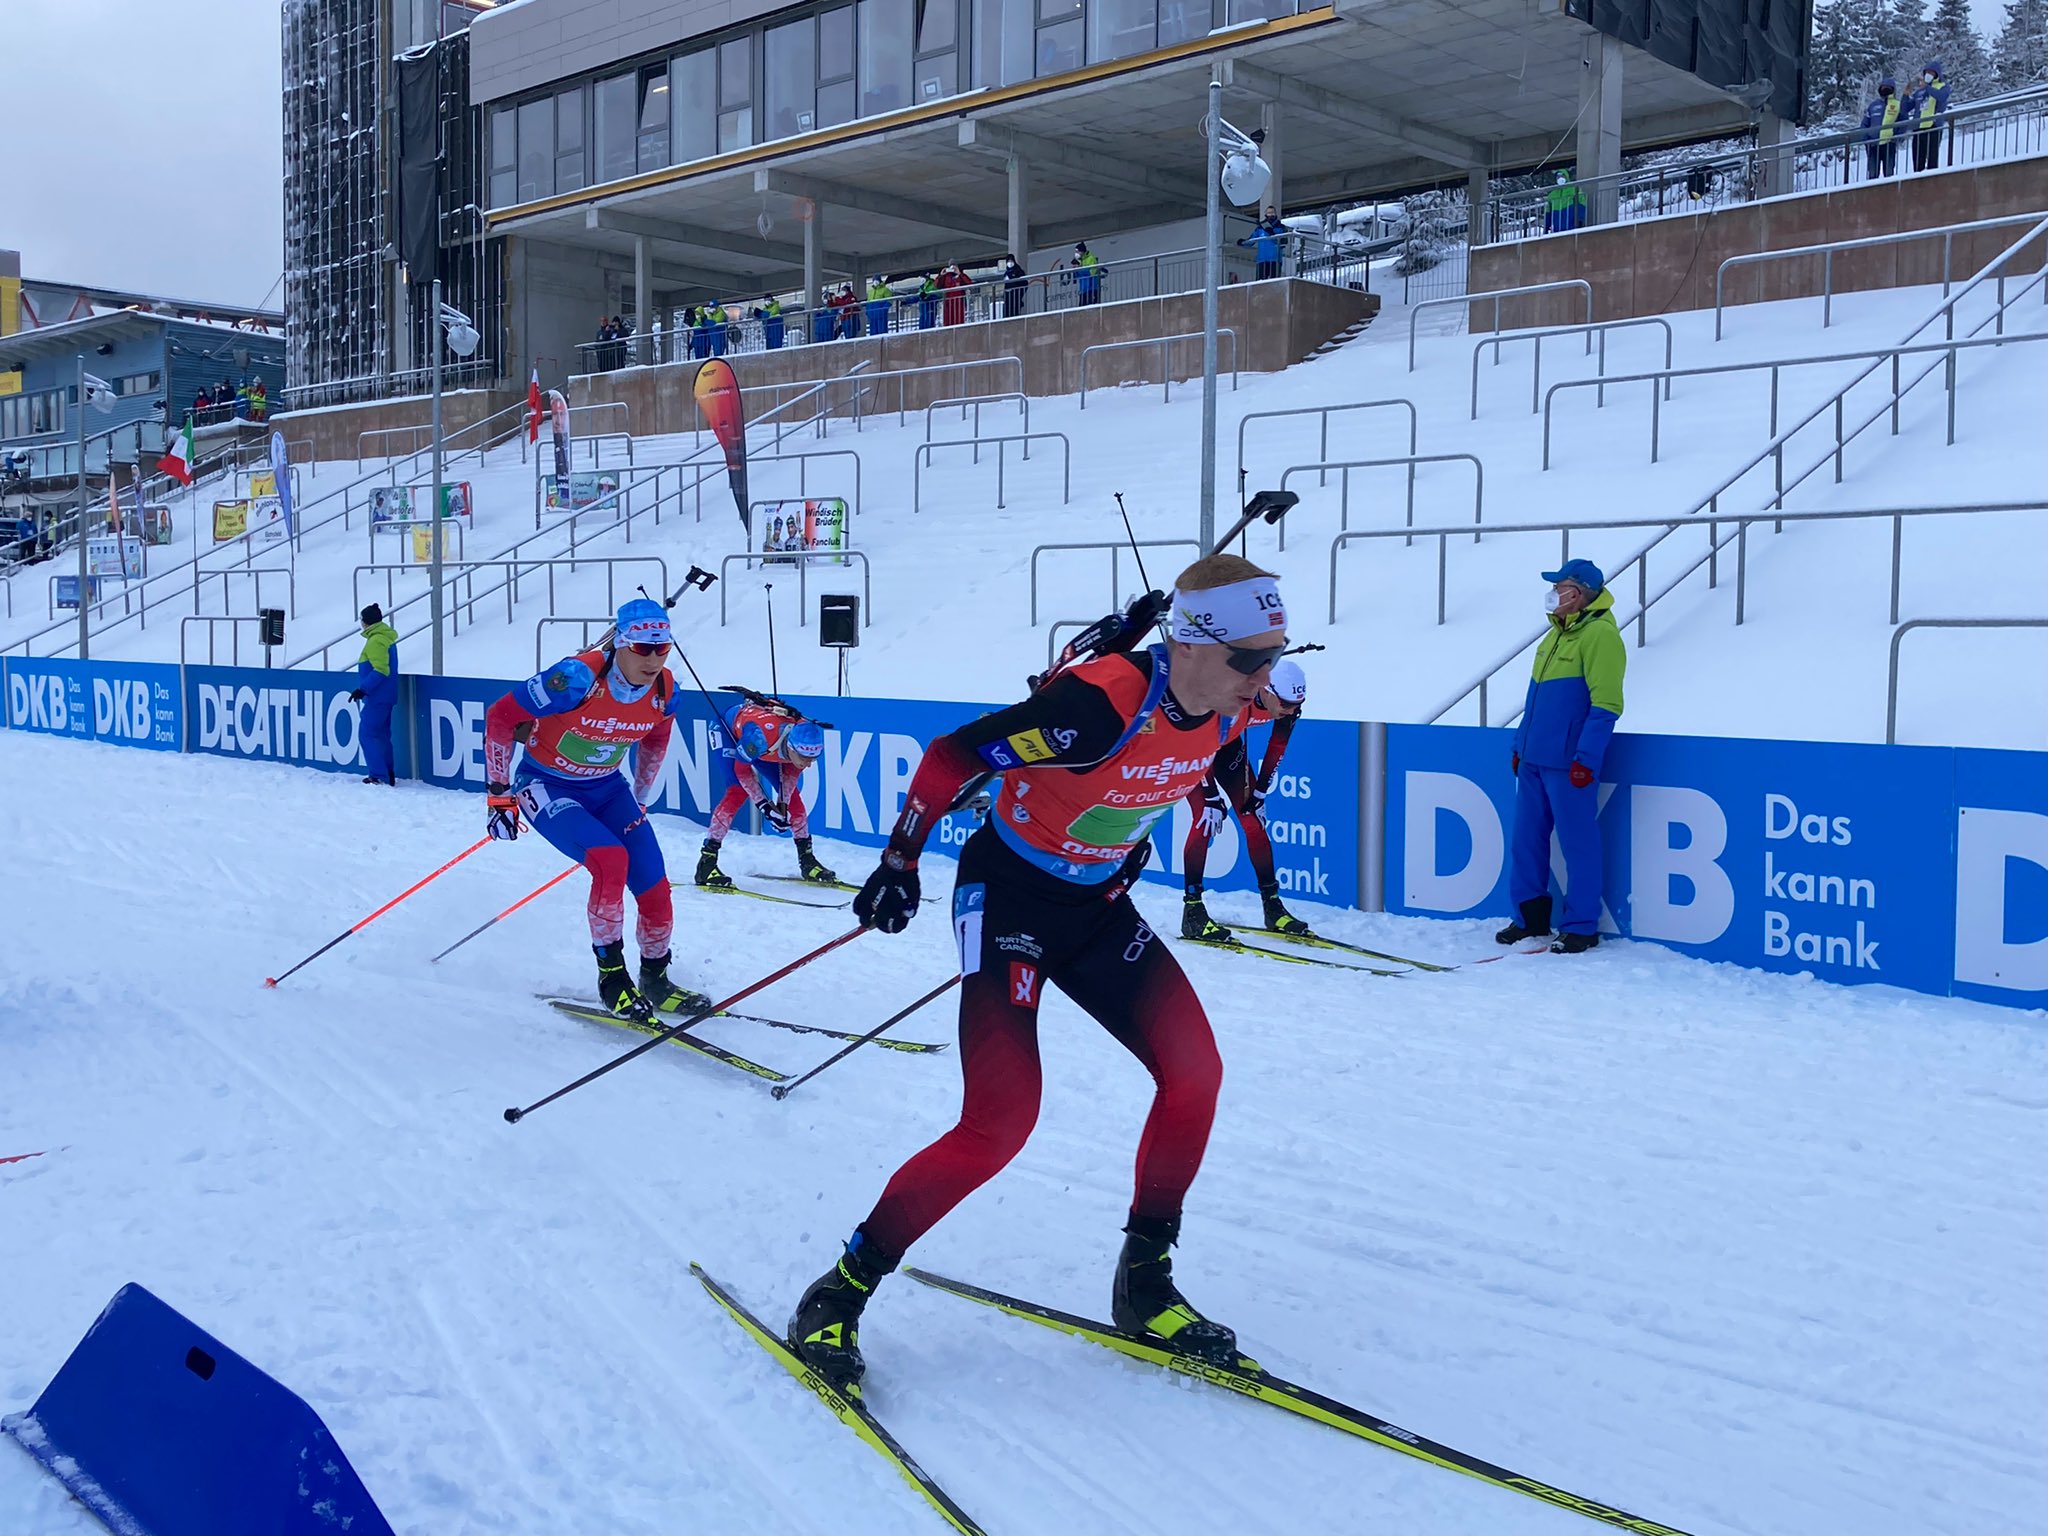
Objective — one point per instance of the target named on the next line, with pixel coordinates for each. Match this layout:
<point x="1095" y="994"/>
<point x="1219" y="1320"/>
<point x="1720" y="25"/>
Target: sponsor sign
<point x="303" y="718"/>
<point x="132" y="704"/>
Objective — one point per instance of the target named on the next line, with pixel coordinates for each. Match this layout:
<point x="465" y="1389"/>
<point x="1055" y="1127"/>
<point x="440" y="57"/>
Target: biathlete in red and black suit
<point x="1089" y="763"/>
<point x="578" y="721"/>
<point x="764" y="740"/>
<point x="1233" y="786"/>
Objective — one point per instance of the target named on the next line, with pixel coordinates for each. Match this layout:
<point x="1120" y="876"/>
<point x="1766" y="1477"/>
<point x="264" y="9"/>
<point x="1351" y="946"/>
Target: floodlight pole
<point x="434" y="499"/>
<point x="84" y="643"/>
<point x="1212" y="274"/>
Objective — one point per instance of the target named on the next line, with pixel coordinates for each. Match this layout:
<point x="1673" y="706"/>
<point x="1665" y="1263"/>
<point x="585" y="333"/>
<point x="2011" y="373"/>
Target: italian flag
<point x="533" y="407"/>
<point x="177" y="459"/>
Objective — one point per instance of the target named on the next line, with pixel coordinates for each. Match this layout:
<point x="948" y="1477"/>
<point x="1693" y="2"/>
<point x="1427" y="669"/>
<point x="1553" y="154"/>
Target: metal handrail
<point x="1948" y="232"/>
<point x="872" y="382"/>
<point x="1774" y="365"/>
<point x="603" y="405"/>
<point x="1711" y="503"/>
<point x="363" y="438"/>
<point x="407" y="525"/>
<point x="1891" y="691"/>
<point x="210" y="620"/>
<point x="540" y="630"/>
<point x="1497" y="295"/>
<point x="978" y="401"/>
<point x="1052" y="637"/>
<point x="1598" y="328"/>
<point x="456" y="571"/>
<point x="1411" y="461"/>
<point x="802" y="559"/>
<point x="1115" y="548"/>
<point x="921" y="456"/>
<point x="1739" y="537"/>
<point x="801" y="460"/>
<point x="1325" y="412"/>
<point x="1163" y="343"/>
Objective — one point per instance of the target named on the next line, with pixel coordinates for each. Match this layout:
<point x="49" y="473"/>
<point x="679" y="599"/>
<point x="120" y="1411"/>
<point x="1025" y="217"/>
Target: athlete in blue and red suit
<point x="1090" y="762"/>
<point x="579" y="720"/>
<point x="764" y="741"/>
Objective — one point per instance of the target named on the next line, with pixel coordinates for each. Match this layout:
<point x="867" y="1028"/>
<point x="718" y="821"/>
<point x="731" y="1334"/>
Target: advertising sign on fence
<point x="587" y="487"/>
<point x="133" y="704"/>
<point x="390" y="504"/>
<point x="230" y="520"/>
<point x="303" y="718"/>
<point x="789" y="526"/>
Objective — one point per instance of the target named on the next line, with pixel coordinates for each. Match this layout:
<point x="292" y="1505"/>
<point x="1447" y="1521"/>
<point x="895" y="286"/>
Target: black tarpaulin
<point x="1730" y="43"/>
<point x="419" y="160"/>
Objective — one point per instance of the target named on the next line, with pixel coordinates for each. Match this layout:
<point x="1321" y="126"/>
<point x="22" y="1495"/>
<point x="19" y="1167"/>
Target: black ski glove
<point x="888" y="900"/>
<point x="501" y="818"/>
<point x="772" y="814"/>
<point x="355" y="696"/>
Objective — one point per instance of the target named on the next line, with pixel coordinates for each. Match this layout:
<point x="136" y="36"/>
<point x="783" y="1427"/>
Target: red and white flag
<point x="177" y="459"/>
<point x="534" y="409"/>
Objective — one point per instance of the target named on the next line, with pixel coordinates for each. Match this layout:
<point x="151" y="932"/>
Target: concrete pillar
<point x="643" y="297"/>
<point x="1773" y="154"/>
<point x="1271" y="151"/>
<point x="1477" y="229"/>
<point x="1020" y="209"/>
<point x="814" y="254"/>
<point x="1599" y="150"/>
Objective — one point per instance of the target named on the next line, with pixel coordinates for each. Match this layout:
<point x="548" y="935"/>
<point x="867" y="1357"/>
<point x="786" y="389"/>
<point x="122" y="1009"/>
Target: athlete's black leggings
<point x="1014" y="941"/>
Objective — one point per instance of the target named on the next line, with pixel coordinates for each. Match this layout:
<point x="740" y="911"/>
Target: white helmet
<point x="1289" y="683"/>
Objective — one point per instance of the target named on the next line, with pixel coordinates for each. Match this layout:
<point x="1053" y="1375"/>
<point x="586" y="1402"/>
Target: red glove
<point x="1514" y="762"/>
<point x="1582" y="776"/>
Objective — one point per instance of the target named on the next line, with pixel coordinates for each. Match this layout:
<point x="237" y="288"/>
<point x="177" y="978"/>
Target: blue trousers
<point x="599" y="824"/>
<point x="1547" y="798"/>
<point x="374" y="729"/>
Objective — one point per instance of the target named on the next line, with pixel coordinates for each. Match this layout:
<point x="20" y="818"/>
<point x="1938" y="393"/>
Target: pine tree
<point x="1839" y="59"/>
<point x="1952" y="39"/>
<point x="2021" y="53"/>
<point x="1426" y="235"/>
<point x="1902" y="40"/>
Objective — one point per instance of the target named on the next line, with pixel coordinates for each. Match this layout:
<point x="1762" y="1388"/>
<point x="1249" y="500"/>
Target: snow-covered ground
<point x="1742" y="1253"/>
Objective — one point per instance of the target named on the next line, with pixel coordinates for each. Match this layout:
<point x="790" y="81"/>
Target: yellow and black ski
<point x="1236" y="946"/>
<point x="1317" y="941"/>
<point x="597" y="1013"/>
<point x="1249" y="1379"/>
<point x="846" y="1406"/>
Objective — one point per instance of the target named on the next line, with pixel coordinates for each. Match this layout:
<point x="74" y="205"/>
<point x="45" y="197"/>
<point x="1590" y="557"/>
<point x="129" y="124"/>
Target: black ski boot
<point x="617" y="992"/>
<point x="809" y="868"/>
<point x="1196" y="923"/>
<point x="1535" y="923"/>
<point x="662" y="994"/>
<point x="1145" y="1300"/>
<point x="1280" y="920"/>
<point x="709" y="875"/>
<point x="825" y="1328"/>
<point x="1573" y="943"/>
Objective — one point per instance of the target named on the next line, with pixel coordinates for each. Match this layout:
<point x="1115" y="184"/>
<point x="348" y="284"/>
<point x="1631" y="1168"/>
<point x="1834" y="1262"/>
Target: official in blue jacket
<point x="377" y="691"/>
<point x="1568" y="718"/>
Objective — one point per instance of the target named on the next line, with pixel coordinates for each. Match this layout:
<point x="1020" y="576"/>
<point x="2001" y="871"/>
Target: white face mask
<point x="1550" y="601"/>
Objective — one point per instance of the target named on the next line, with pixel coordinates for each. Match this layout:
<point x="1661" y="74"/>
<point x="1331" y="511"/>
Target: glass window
<point x="937" y="76"/>
<point x="1002" y="41"/>
<point x="886" y="40"/>
<point x="735" y="129"/>
<point x="1235" y="11"/>
<point x="504" y="158"/>
<point x="693" y="106"/>
<point x="653" y="119"/>
<point x="569" y="168"/>
<point x="938" y="24"/>
<point x="835" y="104"/>
<point x="1059" y="47"/>
<point x="617" y="119"/>
<point x="835" y="44"/>
<point x="536" y="156"/>
<point x="789" y="61"/>
<point x="1182" y="20"/>
<point x="1058" y="10"/>
<point x="736" y="72"/>
<point x="1120" y="28"/>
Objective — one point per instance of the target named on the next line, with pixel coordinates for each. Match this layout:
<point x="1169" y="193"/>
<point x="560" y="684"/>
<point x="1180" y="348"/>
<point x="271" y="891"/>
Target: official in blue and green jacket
<point x="377" y="691"/>
<point x="1568" y="718"/>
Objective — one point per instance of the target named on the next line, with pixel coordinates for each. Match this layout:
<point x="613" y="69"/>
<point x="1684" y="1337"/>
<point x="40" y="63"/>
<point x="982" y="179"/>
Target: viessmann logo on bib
<point x="1173" y="767"/>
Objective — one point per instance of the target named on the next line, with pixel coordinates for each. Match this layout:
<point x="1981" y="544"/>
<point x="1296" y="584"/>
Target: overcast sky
<point x="142" y="144"/>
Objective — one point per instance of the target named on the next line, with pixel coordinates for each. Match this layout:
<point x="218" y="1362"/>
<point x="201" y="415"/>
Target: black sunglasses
<point x="1244" y="660"/>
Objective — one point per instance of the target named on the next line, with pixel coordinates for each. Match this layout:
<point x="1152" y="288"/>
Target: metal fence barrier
<point x="1163" y="343"/>
<point x="1891" y="689"/>
<point x="801" y="559"/>
<point x="1115" y="548"/>
<point x="1410" y="461"/>
<point x="922" y="456"/>
<point x="540" y="629"/>
<point x="211" y="621"/>
<point x="978" y="401"/>
<point x="1598" y="328"/>
<point x="1497" y="295"/>
<point x="1324" y="412"/>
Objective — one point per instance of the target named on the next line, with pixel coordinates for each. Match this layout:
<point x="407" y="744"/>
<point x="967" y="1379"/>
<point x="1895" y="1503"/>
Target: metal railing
<point x="1165" y="345"/>
<point x="922" y="456"/>
<point x="1711" y="502"/>
<point x="1947" y="233"/>
<point x="1737" y="523"/>
<point x="1115" y="548"/>
<point x="869" y="385"/>
<point x="461" y="575"/>
<point x="801" y="559"/>
<point x="408" y="525"/>
<point x="1597" y="328"/>
<point x="978" y="401"/>
<point x="1891" y="689"/>
<point x="802" y="462"/>
<point x="1497" y="295"/>
<point x="1323" y="413"/>
<point x="1409" y="461"/>
<point x="212" y="621"/>
<point x="540" y="629"/>
<point x="1873" y="355"/>
<point x="1052" y="637"/>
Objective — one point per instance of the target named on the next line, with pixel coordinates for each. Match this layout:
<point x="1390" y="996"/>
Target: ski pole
<point x="491" y="922"/>
<point x="514" y="1116"/>
<point x="782" y="1090"/>
<point x="774" y="682"/>
<point x="271" y="981"/>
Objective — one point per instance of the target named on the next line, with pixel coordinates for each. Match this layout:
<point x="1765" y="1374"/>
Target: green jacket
<point x="1574" y="699"/>
<point x="377" y="668"/>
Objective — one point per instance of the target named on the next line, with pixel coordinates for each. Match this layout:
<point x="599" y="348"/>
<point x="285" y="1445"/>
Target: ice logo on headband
<point x="1236" y="611"/>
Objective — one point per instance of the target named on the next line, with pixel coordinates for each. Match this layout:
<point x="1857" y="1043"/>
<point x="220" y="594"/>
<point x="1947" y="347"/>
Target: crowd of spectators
<point x="248" y="400"/>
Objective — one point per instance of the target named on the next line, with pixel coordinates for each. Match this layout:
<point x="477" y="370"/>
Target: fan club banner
<point x="720" y="405"/>
<point x="789" y="527"/>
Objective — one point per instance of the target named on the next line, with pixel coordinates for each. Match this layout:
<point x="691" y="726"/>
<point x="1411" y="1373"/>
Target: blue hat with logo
<point x="806" y="738"/>
<point x="1584" y="572"/>
<point x="643" y="621"/>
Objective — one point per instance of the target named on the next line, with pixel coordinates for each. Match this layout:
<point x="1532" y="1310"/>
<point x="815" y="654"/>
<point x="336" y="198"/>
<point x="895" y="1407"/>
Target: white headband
<point x="1238" y="611"/>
